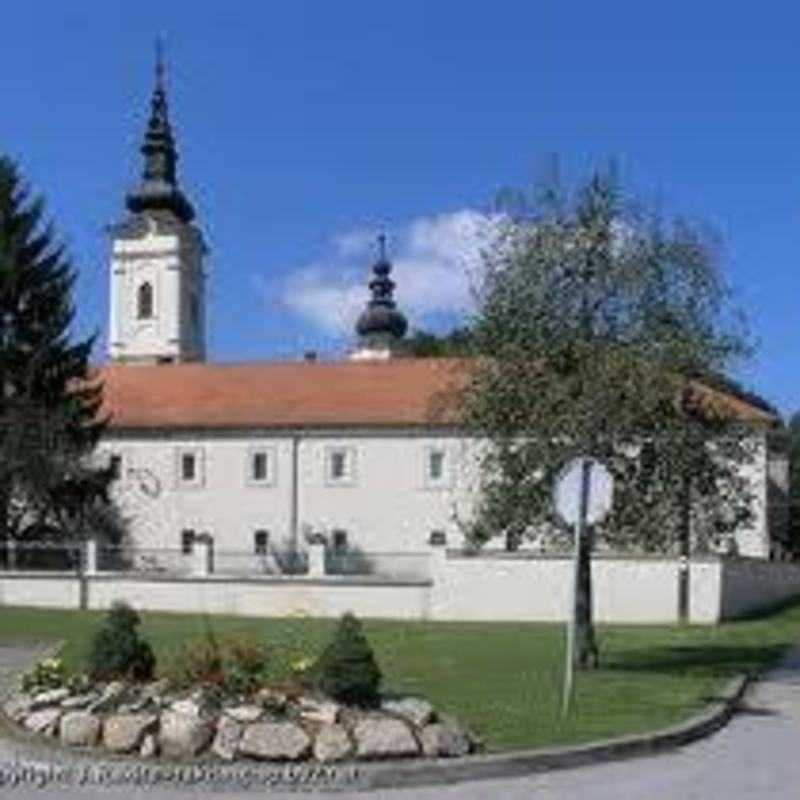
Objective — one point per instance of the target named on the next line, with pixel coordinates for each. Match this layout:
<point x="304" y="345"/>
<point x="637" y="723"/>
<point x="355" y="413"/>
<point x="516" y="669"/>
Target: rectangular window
<point x="259" y="467"/>
<point x="187" y="541"/>
<point x="115" y="467"/>
<point x="436" y="473"/>
<point x="339" y="540"/>
<point x="260" y="542"/>
<point x="338" y="464"/>
<point x="188" y="467"/>
<point x="438" y="538"/>
<point x="435" y="465"/>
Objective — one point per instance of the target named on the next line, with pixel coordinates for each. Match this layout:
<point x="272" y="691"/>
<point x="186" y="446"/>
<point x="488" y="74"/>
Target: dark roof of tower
<point x="159" y="189"/>
<point x="381" y="316"/>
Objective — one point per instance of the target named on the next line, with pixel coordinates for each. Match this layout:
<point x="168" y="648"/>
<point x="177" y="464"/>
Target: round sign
<point x="568" y="486"/>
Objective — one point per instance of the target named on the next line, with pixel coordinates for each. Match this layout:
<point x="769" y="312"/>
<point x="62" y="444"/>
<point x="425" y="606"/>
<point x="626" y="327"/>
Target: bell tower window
<point x="144" y="301"/>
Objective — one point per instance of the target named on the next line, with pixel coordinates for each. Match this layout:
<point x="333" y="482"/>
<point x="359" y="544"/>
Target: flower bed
<point x="217" y="700"/>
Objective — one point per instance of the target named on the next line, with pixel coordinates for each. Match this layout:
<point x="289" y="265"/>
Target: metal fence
<point x="388" y="566"/>
<point x="145" y="561"/>
<point x="191" y="561"/>
<point x="40" y="556"/>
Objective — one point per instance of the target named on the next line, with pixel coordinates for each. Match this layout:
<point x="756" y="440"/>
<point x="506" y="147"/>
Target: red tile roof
<point x="400" y="392"/>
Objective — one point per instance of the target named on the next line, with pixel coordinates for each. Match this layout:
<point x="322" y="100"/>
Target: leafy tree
<point x="424" y="344"/>
<point x="48" y="403"/>
<point x="794" y="483"/>
<point x="596" y="316"/>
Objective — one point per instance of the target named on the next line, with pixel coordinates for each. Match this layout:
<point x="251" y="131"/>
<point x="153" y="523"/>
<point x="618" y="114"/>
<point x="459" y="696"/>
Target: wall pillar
<point x="11" y="554"/>
<point x="90" y="555"/>
<point x="202" y="555"/>
<point x="316" y="559"/>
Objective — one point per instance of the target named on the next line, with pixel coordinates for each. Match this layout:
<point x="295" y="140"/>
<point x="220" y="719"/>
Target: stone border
<point x="363" y="776"/>
<point x="526" y="762"/>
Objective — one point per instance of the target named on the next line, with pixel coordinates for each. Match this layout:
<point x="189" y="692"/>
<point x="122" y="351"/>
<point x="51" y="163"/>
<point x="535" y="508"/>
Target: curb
<point x="527" y="762"/>
<point x="360" y="776"/>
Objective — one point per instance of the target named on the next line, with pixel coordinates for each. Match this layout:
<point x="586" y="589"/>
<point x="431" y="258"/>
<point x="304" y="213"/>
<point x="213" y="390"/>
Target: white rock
<point x="226" y="741"/>
<point x="416" y="710"/>
<point x="183" y="735"/>
<point x="332" y="744"/>
<point x="247" y="713"/>
<point x="124" y="732"/>
<point x="444" y="740"/>
<point x="80" y="729"/>
<point x="78" y="701"/>
<point x="275" y="741"/>
<point x="149" y="746"/>
<point x="112" y="696"/>
<point x="189" y="708"/>
<point x="43" y="721"/>
<point x="17" y="706"/>
<point x="384" y="737"/>
<point x="49" y="698"/>
<point x="322" y="711"/>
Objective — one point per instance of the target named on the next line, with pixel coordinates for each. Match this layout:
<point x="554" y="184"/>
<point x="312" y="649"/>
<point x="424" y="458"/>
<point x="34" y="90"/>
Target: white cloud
<point x="435" y="261"/>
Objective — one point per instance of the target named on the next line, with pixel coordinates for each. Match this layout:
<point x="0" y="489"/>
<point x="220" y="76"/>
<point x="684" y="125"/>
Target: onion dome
<point x="381" y="322"/>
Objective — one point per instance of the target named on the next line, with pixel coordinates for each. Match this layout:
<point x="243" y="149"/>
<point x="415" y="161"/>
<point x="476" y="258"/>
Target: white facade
<point x="157" y="303"/>
<point x="386" y="492"/>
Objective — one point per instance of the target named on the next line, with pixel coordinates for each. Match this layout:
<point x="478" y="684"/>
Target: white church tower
<point x="157" y="305"/>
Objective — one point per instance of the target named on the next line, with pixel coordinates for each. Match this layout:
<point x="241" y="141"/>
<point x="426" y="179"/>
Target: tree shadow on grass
<point x="792" y="604"/>
<point x="711" y="660"/>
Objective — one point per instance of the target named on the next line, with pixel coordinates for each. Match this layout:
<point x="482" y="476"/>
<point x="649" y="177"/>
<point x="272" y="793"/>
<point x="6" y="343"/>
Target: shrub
<point x="235" y="664"/>
<point x="347" y="670"/>
<point x="47" y="674"/>
<point x="117" y="651"/>
<point x="244" y="662"/>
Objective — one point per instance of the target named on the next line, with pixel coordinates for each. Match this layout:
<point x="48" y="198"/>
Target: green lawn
<point x="503" y="679"/>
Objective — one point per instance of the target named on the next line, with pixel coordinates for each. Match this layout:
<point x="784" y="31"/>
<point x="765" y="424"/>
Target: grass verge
<point x="502" y="679"/>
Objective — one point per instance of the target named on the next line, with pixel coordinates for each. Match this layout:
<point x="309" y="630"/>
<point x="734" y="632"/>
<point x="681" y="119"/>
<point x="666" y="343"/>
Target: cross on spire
<point x="160" y="64"/>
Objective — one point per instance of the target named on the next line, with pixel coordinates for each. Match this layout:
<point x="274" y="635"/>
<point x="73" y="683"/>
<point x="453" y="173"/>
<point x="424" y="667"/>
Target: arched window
<point x="144" y="301"/>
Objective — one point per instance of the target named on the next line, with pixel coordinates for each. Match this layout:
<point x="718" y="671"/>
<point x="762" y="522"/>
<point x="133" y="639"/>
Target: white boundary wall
<point x="497" y="586"/>
<point x="530" y="587"/>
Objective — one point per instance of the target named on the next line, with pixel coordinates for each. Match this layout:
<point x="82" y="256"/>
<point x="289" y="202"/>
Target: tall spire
<point x="381" y="324"/>
<point x="159" y="187"/>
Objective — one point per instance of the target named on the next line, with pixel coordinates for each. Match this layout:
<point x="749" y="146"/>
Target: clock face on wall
<point x="148" y="483"/>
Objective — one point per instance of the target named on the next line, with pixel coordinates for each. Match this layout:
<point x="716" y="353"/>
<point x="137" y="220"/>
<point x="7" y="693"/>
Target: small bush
<point x="47" y="674"/>
<point x="235" y="664"/>
<point x="117" y="651"/>
<point x="347" y="670"/>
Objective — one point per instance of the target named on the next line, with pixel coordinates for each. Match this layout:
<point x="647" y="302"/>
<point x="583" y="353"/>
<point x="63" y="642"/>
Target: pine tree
<point x="48" y="402"/>
<point x="347" y="670"/>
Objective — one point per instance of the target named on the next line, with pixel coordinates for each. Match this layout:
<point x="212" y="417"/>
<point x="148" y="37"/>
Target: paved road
<point x="756" y="756"/>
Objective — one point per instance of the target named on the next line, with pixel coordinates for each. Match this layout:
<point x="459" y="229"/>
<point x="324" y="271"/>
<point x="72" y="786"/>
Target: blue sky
<point x="305" y="126"/>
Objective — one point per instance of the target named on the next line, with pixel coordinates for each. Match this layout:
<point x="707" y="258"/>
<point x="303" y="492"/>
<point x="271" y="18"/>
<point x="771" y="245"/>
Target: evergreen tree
<point x="347" y="670"/>
<point x="48" y="402"/>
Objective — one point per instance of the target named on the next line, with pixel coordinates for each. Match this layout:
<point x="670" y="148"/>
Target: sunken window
<point x="187" y="541"/>
<point x="260" y="542"/>
<point x="144" y="301"/>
